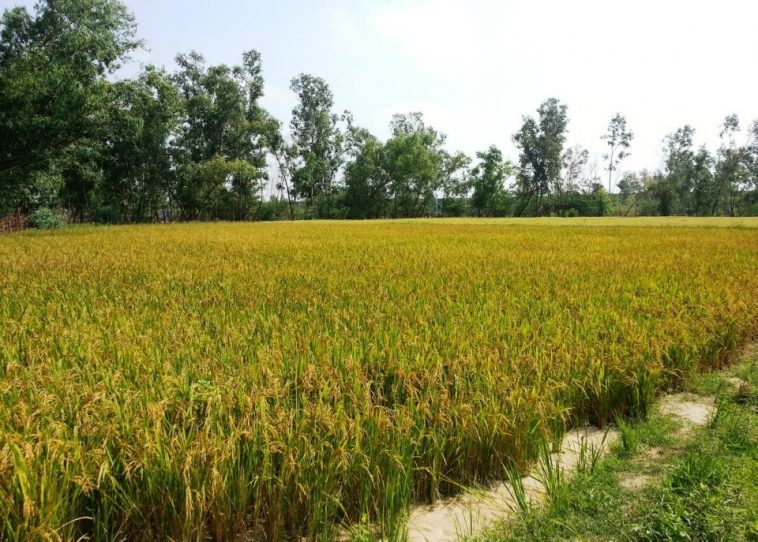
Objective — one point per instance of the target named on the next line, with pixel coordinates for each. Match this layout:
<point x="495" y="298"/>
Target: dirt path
<point x="475" y="511"/>
<point x="692" y="410"/>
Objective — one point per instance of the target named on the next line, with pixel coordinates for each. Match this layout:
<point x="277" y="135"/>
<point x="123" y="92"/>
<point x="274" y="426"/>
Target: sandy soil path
<point x="475" y="511"/>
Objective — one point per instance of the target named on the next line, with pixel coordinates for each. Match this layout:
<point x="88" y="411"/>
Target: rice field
<point x="287" y="380"/>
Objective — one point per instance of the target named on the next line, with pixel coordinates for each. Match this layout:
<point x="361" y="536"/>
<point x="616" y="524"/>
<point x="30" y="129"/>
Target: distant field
<point x="650" y="221"/>
<point x="273" y="381"/>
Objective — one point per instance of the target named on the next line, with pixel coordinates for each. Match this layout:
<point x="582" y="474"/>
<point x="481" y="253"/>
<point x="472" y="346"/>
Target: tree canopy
<point x="195" y="143"/>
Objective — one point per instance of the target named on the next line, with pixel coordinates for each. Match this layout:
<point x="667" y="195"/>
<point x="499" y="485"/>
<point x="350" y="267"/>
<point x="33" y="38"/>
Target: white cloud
<point x="443" y="37"/>
<point x="475" y="67"/>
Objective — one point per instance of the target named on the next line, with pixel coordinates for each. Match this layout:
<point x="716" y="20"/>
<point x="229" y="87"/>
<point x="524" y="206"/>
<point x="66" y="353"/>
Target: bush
<point x="46" y="219"/>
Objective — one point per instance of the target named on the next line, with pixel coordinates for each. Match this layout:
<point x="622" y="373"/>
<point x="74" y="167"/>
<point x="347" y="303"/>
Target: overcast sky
<point x="475" y="67"/>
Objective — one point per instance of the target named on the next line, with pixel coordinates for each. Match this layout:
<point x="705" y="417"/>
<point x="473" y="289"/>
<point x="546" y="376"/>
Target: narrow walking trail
<point x="477" y="510"/>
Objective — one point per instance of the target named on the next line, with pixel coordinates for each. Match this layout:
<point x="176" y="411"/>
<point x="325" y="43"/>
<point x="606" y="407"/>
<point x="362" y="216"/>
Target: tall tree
<point x="488" y="180"/>
<point x="702" y="182"/>
<point x="618" y="139"/>
<point x="404" y="176"/>
<point x="53" y="87"/>
<point x="82" y="169"/>
<point x="675" y="190"/>
<point x="223" y="120"/>
<point x="454" y="186"/>
<point x="317" y="142"/>
<point x="629" y="189"/>
<point x="751" y="159"/>
<point x="138" y="166"/>
<point x="285" y="156"/>
<point x="367" y="182"/>
<point x="574" y="162"/>
<point x="414" y="160"/>
<point x="541" y="143"/>
<point x="730" y="171"/>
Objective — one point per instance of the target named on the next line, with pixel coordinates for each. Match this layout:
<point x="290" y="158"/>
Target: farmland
<point x="283" y="380"/>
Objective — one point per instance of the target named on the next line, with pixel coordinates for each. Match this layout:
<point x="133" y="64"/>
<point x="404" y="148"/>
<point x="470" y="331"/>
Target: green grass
<point x="704" y="488"/>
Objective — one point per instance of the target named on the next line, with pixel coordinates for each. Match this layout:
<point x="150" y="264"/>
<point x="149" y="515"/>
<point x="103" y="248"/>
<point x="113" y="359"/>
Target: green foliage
<point x="53" y="87"/>
<point x="316" y="143"/>
<point x="46" y="219"/>
<point x="81" y="169"/>
<point x="702" y="197"/>
<point x="599" y="201"/>
<point x="224" y="138"/>
<point x="367" y="184"/>
<point x="203" y="188"/>
<point x="73" y="137"/>
<point x="692" y="505"/>
<point x="710" y="493"/>
<point x="414" y="161"/>
<point x="138" y="170"/>
<point x="703" y="486"/>
<point x="552" y="477"/>
<point x="30" y="190"/>
<point x="730" y="168"/>
<point x="628" y="437"/>
<point x="697" y="182"/>
<point x="619" y="139"/>
<point x="488" y="181"/>
<point x="404" y="176"/>
<point x="540" y="142"/>
<point x="106" y="214"/>
<point x="629" y="187"/>
<point x="734" y="424"/>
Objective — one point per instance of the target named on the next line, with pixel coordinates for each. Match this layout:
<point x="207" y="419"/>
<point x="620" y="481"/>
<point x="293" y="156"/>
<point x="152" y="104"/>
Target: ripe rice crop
<point x="278" y="381"/>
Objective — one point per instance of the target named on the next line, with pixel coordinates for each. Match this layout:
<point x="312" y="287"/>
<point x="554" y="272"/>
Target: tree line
<point x="196" y="144"/>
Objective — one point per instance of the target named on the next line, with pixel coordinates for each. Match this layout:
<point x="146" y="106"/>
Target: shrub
<point x="45" y="218"/>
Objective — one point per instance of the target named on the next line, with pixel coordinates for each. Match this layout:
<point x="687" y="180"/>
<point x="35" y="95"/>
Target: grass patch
<point x="703" y="489"/>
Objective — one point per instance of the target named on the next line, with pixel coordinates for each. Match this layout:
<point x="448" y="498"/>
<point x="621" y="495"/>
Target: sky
<point x="475" y="67"/>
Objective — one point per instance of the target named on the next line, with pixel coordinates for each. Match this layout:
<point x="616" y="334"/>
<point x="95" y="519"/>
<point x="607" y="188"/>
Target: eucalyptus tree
<point x="703" y="187"/>
<point x="730" y="171"/>
<point x="223" y="120"/>
<point x="751" y="160"/>
<point x="619" y="139"/>
<point x="675" y="191"/>
<point x="488" y="180"/>
<point x="138" y="166"/>
<point x="317" y="144"/>
<point x="367" y="182"/>
<point x="414" y="160"/>
<point x="540" y="142"/>
<point x="575" y="161"/>
<point x="285" y="157"/>
<point x="54" y="64"/>
<point x="454" y="186"/>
